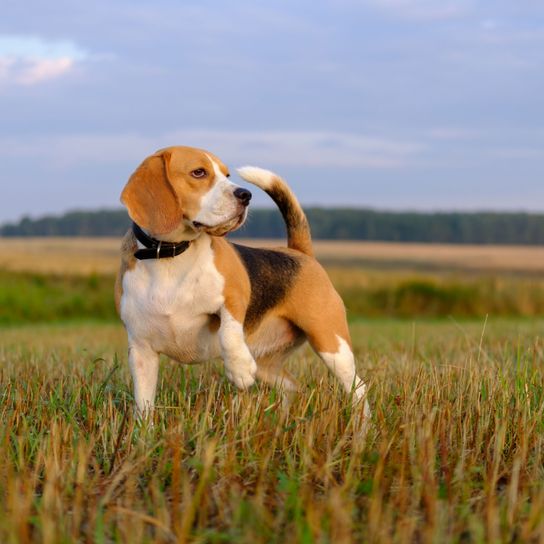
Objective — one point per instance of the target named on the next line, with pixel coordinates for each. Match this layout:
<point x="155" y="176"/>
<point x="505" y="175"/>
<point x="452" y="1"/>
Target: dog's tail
<point x="298" y="230"/>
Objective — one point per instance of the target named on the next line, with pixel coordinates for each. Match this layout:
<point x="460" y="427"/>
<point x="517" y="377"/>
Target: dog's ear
<point x="151" y="200"/>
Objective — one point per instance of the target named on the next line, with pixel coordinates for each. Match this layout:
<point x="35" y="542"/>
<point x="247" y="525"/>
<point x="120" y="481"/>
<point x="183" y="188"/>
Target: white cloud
<point x="33" y="71"/>
<point x="312" y="149"/>
<point x="28" y="60"/>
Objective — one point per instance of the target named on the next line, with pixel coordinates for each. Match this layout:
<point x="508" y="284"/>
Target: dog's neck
<point x="153" y="248"/>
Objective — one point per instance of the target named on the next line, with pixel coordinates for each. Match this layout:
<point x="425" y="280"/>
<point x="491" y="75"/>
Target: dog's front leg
<point x="144" y="367"/>
<point x="240" y="367"/>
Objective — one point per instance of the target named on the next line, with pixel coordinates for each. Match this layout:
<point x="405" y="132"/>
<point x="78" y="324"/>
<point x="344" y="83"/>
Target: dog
<point x="183" y="290"/>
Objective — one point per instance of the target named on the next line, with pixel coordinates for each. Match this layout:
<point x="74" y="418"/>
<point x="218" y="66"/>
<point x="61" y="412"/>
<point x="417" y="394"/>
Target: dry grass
<point x="455" y="453"/>
<point x="60" y="255"/>
<point x="101" y="255"/>
<point x="439" y="256"/>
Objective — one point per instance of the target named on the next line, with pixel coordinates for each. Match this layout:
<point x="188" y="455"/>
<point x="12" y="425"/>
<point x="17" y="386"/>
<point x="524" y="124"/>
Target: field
<point x="454" y="452"/>
<point x="100" y="256"/>
<point x="44" y="279"/>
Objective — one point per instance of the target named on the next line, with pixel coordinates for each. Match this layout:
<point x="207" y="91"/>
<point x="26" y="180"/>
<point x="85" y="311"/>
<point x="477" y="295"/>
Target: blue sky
<point x="398" y="104"/>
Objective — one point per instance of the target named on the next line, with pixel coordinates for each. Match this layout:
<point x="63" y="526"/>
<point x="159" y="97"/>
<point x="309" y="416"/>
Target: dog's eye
<point x="199" y="173"/>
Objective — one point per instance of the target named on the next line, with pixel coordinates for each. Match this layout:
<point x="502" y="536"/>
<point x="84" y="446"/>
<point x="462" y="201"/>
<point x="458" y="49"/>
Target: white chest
<point x="167" y="304"/>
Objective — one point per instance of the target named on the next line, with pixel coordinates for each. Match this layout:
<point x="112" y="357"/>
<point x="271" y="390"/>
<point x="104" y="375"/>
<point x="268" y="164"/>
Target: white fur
<point x="342" y="365"/>
<point x="219" y="204"/>
<point x="240" y="367"/>
<point x="166" y="306"/>
<point x="258" y="176"/>
<point x="144" y="367"/>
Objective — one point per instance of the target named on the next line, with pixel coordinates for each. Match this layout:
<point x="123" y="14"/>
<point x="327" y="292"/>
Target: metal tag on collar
<point x="159" y="250"/>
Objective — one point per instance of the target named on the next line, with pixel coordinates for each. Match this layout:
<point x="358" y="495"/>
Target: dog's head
<point x="180" y="192"/>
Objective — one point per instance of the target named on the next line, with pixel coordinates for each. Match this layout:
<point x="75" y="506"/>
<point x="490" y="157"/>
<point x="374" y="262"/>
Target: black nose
<point x="243" y="195"/>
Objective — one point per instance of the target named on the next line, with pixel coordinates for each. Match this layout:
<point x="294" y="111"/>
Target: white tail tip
<point x="258" y="176"/>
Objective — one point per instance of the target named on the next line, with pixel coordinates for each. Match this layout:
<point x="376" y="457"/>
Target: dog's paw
<point x="241" y="372"/>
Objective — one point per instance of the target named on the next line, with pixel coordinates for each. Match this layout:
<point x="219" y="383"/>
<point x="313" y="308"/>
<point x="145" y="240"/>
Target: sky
<point x="390" y="104"/>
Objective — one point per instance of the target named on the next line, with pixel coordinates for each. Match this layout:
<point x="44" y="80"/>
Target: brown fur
<point x="149" y="185"/>
<point x="302" y="311"/>
<point x="237" y="287"/>
<point x="162" y="191"/>
<point x="128" y="261"/>
<point x="317" y="308"/>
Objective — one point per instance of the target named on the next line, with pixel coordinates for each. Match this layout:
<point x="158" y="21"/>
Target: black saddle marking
<point x="271" y="274"/>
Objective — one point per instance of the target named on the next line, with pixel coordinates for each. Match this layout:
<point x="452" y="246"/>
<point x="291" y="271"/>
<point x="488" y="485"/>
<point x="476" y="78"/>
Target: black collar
<point x="155" y="249"/>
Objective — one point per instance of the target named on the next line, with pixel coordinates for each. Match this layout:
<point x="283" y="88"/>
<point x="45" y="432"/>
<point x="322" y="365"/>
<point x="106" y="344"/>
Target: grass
<point x="425" y="295"/>
<point x="454" y="453"/>
<point x="27" y="297"/>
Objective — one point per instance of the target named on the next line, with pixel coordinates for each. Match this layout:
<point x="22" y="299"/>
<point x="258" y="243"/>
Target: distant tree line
<point x="75" y="223"/>
<point x="326" y="223"/>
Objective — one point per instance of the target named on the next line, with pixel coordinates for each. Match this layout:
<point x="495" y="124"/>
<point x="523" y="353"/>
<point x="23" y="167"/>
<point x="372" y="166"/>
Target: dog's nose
<point x="243" y="195"/>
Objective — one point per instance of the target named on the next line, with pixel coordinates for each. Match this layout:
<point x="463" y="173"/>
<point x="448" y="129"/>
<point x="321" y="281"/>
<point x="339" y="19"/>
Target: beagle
<point x="185" y="291"/>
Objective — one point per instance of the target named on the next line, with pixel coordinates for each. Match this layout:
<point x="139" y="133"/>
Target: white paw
<point x="241" y="372"/>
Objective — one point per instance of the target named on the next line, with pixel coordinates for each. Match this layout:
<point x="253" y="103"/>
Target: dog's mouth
<point x="223" y="228"/>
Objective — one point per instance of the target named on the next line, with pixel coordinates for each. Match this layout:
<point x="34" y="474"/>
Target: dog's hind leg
<point x="335" y="351"/>
<point x="339" y="358"/>
<point x="324" y="323"/>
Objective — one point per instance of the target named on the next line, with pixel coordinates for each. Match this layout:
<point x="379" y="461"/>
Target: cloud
<point x="33" y="71"/>
<point x="304" y="148"/>
<point x="276" y="148"/>
<point x="29" y="60"/>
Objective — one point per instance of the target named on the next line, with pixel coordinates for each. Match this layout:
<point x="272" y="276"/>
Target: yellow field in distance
<point x="101" y="255"/>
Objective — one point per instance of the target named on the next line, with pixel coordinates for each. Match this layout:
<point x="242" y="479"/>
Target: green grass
<point x="409" y="294"/>
<point x="34" y="297"/>
<point x="454" y="454"/>
<point x="27" y="297"/>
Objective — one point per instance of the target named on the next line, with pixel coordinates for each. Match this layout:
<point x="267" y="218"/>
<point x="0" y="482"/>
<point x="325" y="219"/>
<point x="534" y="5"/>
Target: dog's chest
<point x="167" y="304"/>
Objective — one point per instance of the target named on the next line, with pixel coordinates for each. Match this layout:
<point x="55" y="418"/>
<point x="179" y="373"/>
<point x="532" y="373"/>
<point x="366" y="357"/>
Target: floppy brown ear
<point x="150" y="198"/>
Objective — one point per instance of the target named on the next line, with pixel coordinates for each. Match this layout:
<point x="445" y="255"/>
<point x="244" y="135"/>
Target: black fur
<point x="290" y="213"/>
<point x="271" y="274"/>
<point x="285" y="205"/>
